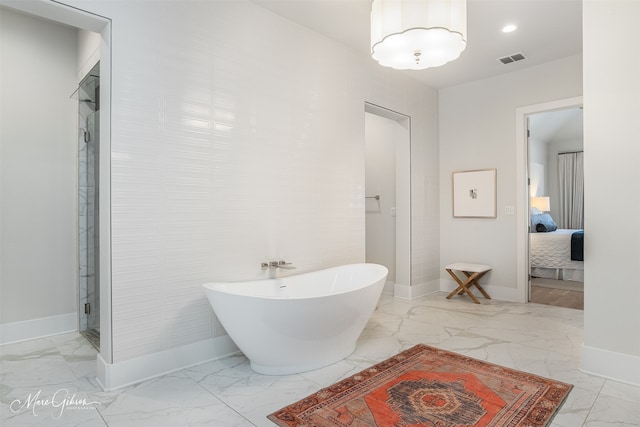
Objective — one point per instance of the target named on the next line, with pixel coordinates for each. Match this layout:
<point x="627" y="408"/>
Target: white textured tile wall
<point x="237" y="137"/>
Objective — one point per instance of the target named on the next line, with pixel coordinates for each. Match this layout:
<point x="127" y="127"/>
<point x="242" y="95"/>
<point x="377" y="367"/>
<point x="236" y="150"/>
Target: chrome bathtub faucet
<point x="276" y="264"/>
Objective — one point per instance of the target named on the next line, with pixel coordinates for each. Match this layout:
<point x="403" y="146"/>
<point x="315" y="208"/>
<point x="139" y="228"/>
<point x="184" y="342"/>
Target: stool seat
<point x="473" y="273"/>
<point x="465" y="266"/>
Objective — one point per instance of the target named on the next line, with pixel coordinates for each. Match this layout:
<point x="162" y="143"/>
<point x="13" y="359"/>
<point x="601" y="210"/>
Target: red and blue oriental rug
<point x="426" y="386"/>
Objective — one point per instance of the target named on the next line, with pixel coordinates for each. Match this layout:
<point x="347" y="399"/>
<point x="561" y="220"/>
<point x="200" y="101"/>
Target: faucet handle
<point x="285" y="265"/>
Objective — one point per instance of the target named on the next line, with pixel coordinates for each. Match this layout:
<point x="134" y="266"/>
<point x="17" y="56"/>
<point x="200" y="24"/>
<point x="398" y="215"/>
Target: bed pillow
<point x="543" y="223"/>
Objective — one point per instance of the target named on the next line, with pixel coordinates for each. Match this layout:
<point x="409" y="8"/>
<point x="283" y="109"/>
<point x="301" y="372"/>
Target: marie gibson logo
<point x="61" y="400"/>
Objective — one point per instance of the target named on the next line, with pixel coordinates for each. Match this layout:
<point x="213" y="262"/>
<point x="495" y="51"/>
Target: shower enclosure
<point x="88" y="94"/>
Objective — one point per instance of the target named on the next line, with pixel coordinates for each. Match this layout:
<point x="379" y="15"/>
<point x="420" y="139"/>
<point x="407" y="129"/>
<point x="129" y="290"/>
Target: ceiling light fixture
<point x="417" y="34"/>
<point x="510" y="28"/>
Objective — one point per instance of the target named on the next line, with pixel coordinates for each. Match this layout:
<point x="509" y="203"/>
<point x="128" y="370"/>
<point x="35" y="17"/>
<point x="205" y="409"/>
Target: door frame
<point x="522" y="187"/>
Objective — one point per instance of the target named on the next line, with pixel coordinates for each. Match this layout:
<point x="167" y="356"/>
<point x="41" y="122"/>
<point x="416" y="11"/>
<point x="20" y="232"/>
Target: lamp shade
<point x="417" y="34"/>
<point x="541" y="203"/>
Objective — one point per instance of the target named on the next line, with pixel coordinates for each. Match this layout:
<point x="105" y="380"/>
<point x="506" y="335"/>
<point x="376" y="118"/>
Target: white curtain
<point x="571" y="178"/>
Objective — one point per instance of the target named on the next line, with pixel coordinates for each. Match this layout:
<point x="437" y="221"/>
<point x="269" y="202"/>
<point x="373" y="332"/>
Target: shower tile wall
<point x="236" y="137"/>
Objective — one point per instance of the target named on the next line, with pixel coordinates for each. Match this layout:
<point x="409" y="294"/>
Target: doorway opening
<point x="542" y="132"/>
<point x="556" y="188"/>
<point x="388" y="193"/>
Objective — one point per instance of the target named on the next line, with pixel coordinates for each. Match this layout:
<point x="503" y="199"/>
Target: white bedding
<point x="550" y="256"/>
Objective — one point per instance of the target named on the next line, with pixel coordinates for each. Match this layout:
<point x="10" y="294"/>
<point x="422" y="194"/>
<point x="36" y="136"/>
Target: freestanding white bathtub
<point x="302" y="322"/>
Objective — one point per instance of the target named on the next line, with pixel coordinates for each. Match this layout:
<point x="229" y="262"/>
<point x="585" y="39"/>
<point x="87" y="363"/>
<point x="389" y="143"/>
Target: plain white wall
<point x="237" y="138"/>
<point x="611" y="152"/>
<point x="38" y="138"/>
<point x="477" y="131"/>
<point x="537" y="151"/>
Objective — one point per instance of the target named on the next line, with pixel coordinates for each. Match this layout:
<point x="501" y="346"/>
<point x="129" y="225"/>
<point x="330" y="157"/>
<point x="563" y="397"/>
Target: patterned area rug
<point x="425" y="386"/>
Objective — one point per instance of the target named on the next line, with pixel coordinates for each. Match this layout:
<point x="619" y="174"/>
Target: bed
<point x="550" y="255"/>
<point x="555" y="253"/>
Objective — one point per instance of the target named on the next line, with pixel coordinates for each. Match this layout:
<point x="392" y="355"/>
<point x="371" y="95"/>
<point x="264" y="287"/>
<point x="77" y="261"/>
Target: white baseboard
<point x="621" y="367"/>
<point x="38" y="328"/>
<point x="416" y="291"/>
<point x="112" y="376"/>
<point x="495" y="292"/>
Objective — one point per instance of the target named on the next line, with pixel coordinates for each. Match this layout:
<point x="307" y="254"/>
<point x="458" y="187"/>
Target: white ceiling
<point x="547" y="30"/>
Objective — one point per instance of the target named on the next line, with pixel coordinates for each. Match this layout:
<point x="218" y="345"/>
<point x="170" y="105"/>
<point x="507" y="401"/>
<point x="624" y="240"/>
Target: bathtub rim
<point x="221" y="287"/>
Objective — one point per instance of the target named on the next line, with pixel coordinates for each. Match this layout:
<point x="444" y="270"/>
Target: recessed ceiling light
<point x="509" y="28"/>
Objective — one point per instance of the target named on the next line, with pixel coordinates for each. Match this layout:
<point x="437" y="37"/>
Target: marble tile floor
<point x="540" y="339"/>
<point x="93" y="336"/>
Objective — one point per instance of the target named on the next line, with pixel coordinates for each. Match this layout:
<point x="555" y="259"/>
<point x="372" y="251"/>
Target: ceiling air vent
<point x="512" y="58"/>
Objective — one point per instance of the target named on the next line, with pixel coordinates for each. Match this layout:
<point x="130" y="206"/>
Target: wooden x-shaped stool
<point x="473" y="272"/>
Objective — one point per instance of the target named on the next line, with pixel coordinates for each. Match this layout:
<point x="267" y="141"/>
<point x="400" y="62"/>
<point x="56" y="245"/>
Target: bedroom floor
<point x="540" y="339"/>
<point x="559" y="293"/>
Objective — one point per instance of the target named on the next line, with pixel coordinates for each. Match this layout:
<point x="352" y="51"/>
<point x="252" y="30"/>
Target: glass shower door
<point x="88" y="209"/>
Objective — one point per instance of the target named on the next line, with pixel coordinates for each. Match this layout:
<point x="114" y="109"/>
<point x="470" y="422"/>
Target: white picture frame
<point x="474" y="194"/>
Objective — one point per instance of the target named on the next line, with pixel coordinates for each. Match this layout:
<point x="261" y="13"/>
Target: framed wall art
<point x="474" y="194"/>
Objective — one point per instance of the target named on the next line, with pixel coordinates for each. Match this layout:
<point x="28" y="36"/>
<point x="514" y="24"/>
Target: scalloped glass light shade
<point x="417" y="34"/>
